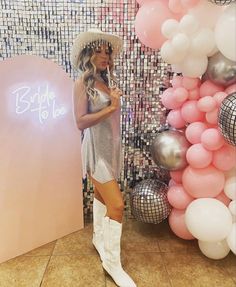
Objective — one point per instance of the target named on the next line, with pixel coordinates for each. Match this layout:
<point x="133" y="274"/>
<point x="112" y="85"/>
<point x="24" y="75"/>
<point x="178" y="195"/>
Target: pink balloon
<point x="191" y="83"/>
<point x="190" y="112"/>
<point x="174" y="118"/>
<point x="203" y="182"/>
<point x="168" y="100"/>
<point x="212" y="117"/>
<point x="178" y="197"/>
<point x="194" y="131"/>
<point x="209" y="89"/>
<point x="225" y="158"/>
<point x="177" y="224"/>
<point x="219" y="97"/>
<point x="206" y="104"/>
<point x="231" y="89"/>
<point x="177" y="81"/>
<point x="180" y="95"/>
<point x="176" y="175"/>
<point x="198" y="157"/>
<point x="223" y="198"/>
<point x="176" y="6"/>
<point x="194" y="94"/>
<point x="189" y="3"/>
<point x="141" y="2"/>
<point x="149" y="20"/>
<point x="212" y="139"/>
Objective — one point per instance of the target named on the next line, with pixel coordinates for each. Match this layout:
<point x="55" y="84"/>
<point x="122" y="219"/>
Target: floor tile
<point x="196" y="270"/>
<point x="74" y="271"/>
<point x="46" y="249"/>
<point x="23" y="271"/>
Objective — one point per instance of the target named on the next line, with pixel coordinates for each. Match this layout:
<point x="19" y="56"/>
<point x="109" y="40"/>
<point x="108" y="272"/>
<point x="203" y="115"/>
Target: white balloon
<point x="188" y="24"/>
<point x="203" y="42"/>
<point x="176" y="68"/>
<point x="208" y="219"/>
<point x="169" y="28"/>
<point x="225" y="33"/>
<point x="194" y="66"/>
<point x="230" y="187"/>
<point x="170" y="55"/>
<point x="181" y="42"/>
<point x="231" y="238"/>
<point x="232" y="207"/>
<point x="206" y="13"/>
<point x="214" y="250"/>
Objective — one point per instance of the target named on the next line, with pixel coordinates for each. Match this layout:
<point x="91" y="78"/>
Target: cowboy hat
<point x="85" y="38"/>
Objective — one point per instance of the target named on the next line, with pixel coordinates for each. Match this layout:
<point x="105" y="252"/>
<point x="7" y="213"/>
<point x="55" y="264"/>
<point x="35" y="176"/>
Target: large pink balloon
<point x="194" y="131"/>
<point x="225" y="158"/>
<point x="177" y="224"/>
<point x="199" y="157"/>
<point x="149" y="20"/>
<point x="203" y="182"/>
<point x="190" y="112"/>
<point x="178" y="197"/>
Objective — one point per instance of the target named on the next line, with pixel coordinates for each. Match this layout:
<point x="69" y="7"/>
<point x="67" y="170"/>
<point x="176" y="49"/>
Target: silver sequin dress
<point x="101" y="146"/>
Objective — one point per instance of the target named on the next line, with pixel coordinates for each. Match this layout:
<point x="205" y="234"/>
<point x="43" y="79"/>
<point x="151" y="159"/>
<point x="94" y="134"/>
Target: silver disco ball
<point x="149" y="202"/>
<point x="227" y="118"/>
<point x="222" y="2"/>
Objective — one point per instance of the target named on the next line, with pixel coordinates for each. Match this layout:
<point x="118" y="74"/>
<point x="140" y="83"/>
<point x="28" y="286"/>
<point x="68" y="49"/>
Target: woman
<point x="97" y="113"/>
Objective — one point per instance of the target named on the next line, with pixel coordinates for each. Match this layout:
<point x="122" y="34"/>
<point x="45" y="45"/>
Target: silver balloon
<point x="221" y="70"/>
<point x="169" y="149"/>
<point x="227" y="118"/>
<point x="148" y="201"/>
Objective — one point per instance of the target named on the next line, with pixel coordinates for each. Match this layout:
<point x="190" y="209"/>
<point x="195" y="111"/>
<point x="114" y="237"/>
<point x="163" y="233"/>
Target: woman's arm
<point x="83" y="118"/>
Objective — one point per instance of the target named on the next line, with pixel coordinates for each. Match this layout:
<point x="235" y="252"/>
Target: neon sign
<point x="37" y="100"/>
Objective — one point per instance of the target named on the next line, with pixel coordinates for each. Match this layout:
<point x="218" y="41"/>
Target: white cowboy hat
<point x="84" y="38"/>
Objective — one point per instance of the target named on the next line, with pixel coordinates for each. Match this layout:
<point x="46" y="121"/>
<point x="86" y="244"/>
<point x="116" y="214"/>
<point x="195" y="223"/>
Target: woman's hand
<point x="115" y="95"/>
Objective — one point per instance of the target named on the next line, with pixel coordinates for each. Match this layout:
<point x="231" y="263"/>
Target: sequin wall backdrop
<point x="47" y="29"/>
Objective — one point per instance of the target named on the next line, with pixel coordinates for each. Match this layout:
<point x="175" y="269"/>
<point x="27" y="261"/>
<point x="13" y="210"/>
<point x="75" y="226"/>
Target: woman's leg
<point x="112" y="196"/>
<point x="98" y="196"/>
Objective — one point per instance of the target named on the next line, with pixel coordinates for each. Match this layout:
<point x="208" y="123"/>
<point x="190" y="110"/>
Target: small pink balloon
<point x="172" y="183"/>
<point x="223" y="198"/>
<point x="180" y="95"/>
<point x="177" y="224"/>
<point x="177" y="81"/>
<point x="225" y="157"/>
<point x="178" y="197"/>
<point x="212" y="117"/>
<point x="203" y="182"/>
<point x="231" y="89"/>
<point x="168" y="100"/>
<point x="149" y="20"/>
<point x="175" y="119"/>
<point x="191" y="83"/>
<point x="212" y="139"/>
<point x="206" y="104"/>
<point x="190" y="112"/>
<point x="198" y="157"/>
<point x="209" y="89"/>
<point x="194" y="94"/>
<point x="194" y="131"/>
<point x="176" y="175"/>
<point x="219" y="97"/>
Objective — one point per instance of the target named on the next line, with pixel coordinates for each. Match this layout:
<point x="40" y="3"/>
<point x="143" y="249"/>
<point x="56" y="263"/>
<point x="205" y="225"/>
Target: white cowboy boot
<point x="99" y="211"/>
<point x="111" y="262"/>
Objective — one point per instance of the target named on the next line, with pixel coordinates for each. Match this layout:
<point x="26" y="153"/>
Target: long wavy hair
<point x="87" y="67"/>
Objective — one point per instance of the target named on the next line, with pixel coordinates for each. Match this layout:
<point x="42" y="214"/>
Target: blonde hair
<point x="87" y="67"/>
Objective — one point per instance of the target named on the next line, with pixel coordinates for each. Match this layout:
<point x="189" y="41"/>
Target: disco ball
<point x="227" y="118"/>
<point x="149" y="202"/>
<point x="222" y="2"/>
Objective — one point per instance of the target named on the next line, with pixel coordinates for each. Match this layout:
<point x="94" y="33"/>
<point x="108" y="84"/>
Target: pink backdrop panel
<point x="40" y="160"/>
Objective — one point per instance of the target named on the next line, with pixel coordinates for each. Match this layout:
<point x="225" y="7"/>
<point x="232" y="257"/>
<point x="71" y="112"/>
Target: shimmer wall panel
<point x="47" y="29"/>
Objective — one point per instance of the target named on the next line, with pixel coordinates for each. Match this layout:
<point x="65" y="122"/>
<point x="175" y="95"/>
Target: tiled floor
<point x="151" y="254"/>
